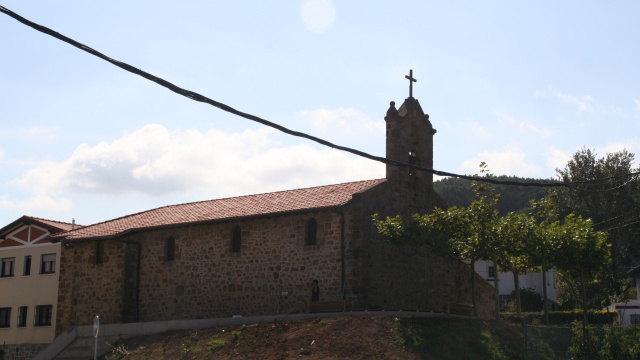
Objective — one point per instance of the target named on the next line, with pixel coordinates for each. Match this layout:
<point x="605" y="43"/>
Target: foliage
<point x="531" y="300"/>
<point x="460" y="339"/>
<point x="215" y="343"/>
<point x="610" y="342"/>
<point x="560" y="318"/>
<point x="612" y="205"/>
<point x="237" y="335"/>
<point x="585" y="343"/>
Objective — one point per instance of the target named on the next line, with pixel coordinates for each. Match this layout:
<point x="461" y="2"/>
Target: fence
<point x="547" y="342"/>
<point x="584" y="343"/>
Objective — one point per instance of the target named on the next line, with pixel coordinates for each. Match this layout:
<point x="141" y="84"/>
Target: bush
<point x="530" y="300"/>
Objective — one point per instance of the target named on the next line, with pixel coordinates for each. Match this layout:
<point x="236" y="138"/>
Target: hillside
<point x="375" y="337"/>
<point x="458" y="192"/>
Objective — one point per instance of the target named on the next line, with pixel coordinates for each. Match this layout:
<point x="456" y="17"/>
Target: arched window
<point x="312" y="232"/>
<point x="170" y="249"/>
<point x="236" y="240"/>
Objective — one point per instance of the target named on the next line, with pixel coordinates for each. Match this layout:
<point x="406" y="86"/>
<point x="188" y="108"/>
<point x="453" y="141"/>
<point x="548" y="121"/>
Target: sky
<point x="519" y="85"/>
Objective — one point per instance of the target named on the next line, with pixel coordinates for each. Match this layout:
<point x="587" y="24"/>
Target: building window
<point x="26" y="269"/>
<point x="5" y="317"/>
<point x="492" y="272"/>
<point x="99" y="252"/>
<point x="312" y="232"/>
<point x="48" y="264"/>
<point x="43" y="315"/>
<point x="170" y="249"/>
<point x="635" y="319"/>
<point x="236" y="240"/>
<point x="7" y="267"/>
<point x="22" y="316"/>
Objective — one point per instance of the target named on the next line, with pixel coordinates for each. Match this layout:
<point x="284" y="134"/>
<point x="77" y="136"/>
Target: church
<point x="257" y="254"/>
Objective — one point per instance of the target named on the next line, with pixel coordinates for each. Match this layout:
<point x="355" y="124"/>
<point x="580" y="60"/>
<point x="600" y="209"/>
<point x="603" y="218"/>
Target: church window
<point x="312" y="232"/>
<point x="236" y="240"/>
<point x="99" y="252"/>
<point x="171" y="249"/>
<point x="48" y="264"/>
<point x="7" y="267"/>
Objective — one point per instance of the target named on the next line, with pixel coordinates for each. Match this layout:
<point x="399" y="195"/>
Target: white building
<point x="28" y="284"/>
<point x="629" y="312"/>
<point x="507" y="286"/>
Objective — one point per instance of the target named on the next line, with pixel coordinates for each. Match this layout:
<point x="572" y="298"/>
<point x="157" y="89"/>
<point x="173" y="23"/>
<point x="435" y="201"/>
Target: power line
<point x="201" y="98"/>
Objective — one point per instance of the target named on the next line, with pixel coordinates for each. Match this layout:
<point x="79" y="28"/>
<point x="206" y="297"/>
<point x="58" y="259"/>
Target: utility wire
<point x="198" y="97"/>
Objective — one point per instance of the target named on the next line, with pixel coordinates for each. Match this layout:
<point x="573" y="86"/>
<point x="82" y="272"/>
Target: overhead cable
<point x="200" y="98"/>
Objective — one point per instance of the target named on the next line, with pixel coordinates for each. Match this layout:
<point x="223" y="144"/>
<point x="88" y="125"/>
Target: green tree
<point x="543" y="245"/>
<point x="516" y="232"/>
<point x="581" y="254"/>
<point x="613" y="206"/>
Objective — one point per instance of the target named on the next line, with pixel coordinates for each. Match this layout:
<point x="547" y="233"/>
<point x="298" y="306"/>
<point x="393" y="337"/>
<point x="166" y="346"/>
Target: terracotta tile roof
<point x="223" y="209"/>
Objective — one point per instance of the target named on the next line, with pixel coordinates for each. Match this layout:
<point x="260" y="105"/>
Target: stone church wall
<point x="205" y="279"/>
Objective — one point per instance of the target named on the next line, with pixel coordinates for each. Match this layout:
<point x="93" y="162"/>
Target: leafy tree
<point x="612" y="205"/>
<point x="516" y="232"/>
<point x="582" y="253"/>
<point x="543" y="245"/>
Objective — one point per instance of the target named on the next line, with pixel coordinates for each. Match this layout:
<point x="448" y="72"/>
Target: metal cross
<point x="411" y="81"/>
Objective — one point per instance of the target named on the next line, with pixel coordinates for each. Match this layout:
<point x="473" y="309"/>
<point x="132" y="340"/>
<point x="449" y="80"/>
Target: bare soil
<point x="376" y="337"/>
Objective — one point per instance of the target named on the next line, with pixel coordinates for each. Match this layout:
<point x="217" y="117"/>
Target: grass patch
<point x="215" y="344"/>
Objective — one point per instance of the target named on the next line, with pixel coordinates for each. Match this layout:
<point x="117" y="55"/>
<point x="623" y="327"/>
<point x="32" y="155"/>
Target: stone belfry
<point x="410" y="140"/>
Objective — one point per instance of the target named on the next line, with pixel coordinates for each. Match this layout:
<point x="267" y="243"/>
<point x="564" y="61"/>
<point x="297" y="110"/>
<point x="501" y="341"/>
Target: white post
<point x="96" y="328"/>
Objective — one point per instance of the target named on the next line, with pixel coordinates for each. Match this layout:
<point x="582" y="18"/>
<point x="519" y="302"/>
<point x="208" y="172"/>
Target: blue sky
<point x="519" y="85"/>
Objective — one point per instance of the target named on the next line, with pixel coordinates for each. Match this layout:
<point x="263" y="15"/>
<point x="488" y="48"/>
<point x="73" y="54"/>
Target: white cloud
<point x="637" y="102"/>
<point x="556" y="158"/>
<point x="152" y="160"/>
<point x="345" y="121"/>
<point x="479" y="130"/>
<point x="33" y="132"/>
<point x="318" y="15"/>
<point x="583" y="102"/>
<point x="39" y="203"/>
<point x="630" y="146"/>
<point x="527" y="128"/>
<point x="508" y="162"/>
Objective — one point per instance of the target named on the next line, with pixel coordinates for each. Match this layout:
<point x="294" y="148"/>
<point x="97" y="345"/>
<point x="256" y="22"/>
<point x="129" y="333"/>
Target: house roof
<point x="52" y="226"/>
<point x="274" y="203"/>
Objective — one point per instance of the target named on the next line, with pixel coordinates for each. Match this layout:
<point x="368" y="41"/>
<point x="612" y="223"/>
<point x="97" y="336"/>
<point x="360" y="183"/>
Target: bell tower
<point x="410" y="140"/>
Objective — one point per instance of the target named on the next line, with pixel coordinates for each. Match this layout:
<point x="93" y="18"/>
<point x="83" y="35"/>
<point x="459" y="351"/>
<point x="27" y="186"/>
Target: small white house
<point x="629" y="312"/>
<point x="507" y="286"/>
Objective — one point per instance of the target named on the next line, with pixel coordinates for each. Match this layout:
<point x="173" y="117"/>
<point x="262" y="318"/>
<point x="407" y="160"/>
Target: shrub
<point x="530" y="300"/>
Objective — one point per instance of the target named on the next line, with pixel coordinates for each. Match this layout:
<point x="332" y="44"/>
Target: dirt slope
<point x="374" y="337"/>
